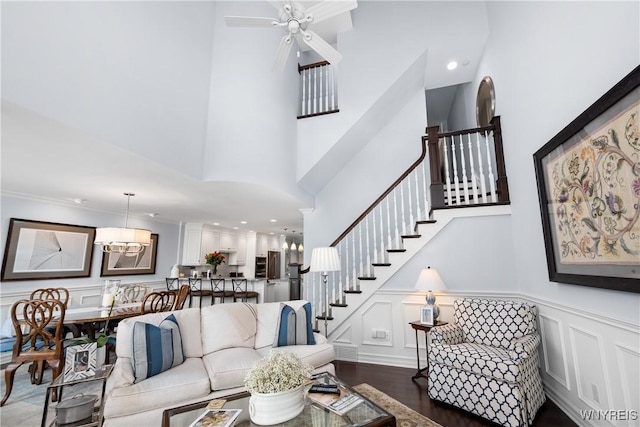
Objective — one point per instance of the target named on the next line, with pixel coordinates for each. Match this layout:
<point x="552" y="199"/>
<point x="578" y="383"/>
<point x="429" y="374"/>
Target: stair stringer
<point x="442" y="217"/>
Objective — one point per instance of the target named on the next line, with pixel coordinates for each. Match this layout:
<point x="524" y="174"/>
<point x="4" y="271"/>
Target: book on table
<point x="217" y="418"/>
<point x="338" y="403"/>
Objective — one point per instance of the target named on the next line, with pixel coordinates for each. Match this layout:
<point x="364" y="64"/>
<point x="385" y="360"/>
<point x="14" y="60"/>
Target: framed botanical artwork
<point x="38" y="250"/>
<point x="115" y="264"/>
<point x="80" y="361"/>
<point x="426" y="315"/>
<point x="588" y="179"/>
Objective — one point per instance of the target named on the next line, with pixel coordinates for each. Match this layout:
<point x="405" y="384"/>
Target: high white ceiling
<point x="46" y="159"/>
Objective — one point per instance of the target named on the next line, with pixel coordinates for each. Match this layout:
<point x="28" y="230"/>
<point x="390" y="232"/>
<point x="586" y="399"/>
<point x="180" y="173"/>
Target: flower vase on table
<point x="276" y="384"/>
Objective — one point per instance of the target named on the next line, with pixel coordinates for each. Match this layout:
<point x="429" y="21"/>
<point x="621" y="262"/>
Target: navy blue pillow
<point x="156" y="348"/>
<point x="294" y="326"/>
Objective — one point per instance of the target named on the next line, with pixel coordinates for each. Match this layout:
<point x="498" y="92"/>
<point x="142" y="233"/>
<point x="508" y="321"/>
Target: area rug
<point x="405" y="416"/>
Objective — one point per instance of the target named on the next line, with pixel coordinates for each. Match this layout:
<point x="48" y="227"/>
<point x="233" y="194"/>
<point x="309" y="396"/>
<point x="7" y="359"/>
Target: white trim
<point x="564" y="381"/>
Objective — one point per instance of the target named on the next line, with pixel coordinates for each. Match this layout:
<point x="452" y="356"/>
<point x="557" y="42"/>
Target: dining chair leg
<point x="9" y="374"/>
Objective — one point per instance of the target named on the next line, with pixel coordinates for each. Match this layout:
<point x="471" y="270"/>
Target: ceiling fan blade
<point x="249" y="21"/>
<point x="328" y="9"/>
<point x="323" y="48"/>
<point x="282" y="54"/>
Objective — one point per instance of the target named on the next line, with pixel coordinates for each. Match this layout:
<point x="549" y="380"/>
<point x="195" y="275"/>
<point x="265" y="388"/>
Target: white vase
<point x="266" y="409"/>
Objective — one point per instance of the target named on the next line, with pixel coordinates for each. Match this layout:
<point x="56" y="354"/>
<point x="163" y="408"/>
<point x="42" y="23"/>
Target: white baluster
<point x="473" y="170"/>
<point x="389" y="242"/>
<point x="320" y="97"/>
<point x="417" y="194"/>
<point x="346" y="269"/>
<point x="492" y="181"/>
<point x="326" y="92"/>
<point x="483" y="186"/>
<point x="353" y="262"/>
<point x="304" y="82"/>
<point x="395" y="214"/>
<point x="375" y="237"/>
<point x="315" y="90"/>
<point x="404" y="224"/>
<point x="410" y="207"/>
<point x="361" y="271"/>
<point x="455" y="169"/>
<point x="333" y="87"/>
<point x="369" y="267"/>
<point x="446" y="171"/>
<point x="309" y="91"/>
<point x="382" y="258"/>
<point x="463" y="165"/>
<point x="425" y="195"/>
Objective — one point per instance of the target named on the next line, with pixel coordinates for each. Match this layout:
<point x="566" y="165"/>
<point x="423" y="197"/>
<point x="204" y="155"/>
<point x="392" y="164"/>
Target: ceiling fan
<point x="296" y="20"/>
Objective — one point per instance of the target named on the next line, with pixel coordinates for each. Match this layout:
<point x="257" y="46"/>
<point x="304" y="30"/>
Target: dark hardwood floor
<point x="396" y="382"/>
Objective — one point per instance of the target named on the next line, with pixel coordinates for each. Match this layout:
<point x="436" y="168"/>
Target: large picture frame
<point x="115" y="264"/>
<point x="37" y="250"/>
<point x="80" y="361"/>
<point x="588" y="178"/>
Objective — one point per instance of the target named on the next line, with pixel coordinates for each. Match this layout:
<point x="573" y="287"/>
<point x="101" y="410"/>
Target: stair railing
<point x="318" y="89"/>
<point x="459" y="171"/>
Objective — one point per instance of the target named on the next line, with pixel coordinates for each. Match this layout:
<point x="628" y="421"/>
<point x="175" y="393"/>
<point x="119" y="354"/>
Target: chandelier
<point x="127" y="241"/>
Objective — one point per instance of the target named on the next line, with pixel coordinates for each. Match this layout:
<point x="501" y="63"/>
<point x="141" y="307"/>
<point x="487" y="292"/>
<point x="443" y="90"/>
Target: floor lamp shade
<point x="325" y="259"/>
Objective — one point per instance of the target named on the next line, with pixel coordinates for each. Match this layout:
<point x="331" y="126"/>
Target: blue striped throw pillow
<point x="156" y="348"/>
<point x="294" y="326"/>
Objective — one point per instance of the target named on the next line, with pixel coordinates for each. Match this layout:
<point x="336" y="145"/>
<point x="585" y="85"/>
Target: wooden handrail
<point x="389" y="190"/>
<point x="314" y="65"/>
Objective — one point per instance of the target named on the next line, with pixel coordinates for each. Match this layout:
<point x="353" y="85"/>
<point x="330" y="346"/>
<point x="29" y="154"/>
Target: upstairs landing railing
<point x="318" y="90"/>
<point x="464" y="168"/>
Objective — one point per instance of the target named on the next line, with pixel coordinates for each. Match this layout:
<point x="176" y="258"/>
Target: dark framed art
<point x="37" y="250"/>
<point x="115" y="264"/>
<point x="588" y="179"/>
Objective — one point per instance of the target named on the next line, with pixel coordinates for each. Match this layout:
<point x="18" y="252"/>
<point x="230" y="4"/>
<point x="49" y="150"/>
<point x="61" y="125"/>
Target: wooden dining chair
<point x="219" y="291"/>
<point x="34" y="341"/>
<point x="159" y="301"/>
<point x="133" y="293"/>
<point x="240" y="291"/>
<point x="60" y="294"/>
<point x="181" y="297"/>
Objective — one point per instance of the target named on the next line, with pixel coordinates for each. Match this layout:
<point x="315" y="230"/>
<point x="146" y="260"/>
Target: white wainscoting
<point x="588" y="362"/>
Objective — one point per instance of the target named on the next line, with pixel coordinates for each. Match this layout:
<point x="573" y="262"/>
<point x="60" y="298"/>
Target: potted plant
<point x="276" y="384"/>
<point x="214" y="259"/>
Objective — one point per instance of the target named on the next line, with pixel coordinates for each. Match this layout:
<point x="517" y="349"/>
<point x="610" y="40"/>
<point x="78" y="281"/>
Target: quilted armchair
<point x="486" y="361"/>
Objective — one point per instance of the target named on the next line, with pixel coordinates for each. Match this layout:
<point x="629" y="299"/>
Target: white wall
<point x="81" y="64"/>
<point x="41" y="210"/>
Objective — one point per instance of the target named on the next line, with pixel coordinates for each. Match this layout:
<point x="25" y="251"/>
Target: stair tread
<point x="396" y="250"/>
<point x="367" y="278"/>
<point x="411" y="236"/>
<point x="348" y="291"/>
<point x="322" y="318"/>
<point x="335" y="304"/>
<point x="381" y="264"/>
<point x="426" y="221"/>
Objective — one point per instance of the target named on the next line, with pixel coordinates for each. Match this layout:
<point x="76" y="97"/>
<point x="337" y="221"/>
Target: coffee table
<point x="365" y="414"/>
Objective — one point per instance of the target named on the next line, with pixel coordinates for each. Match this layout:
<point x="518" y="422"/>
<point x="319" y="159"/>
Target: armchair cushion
<point x="524" y="347"/>
<point x="492" y="362"/>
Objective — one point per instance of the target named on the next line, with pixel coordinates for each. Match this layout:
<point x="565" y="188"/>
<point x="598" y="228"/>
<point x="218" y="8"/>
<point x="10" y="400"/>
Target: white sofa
<point x="220" y="344"/>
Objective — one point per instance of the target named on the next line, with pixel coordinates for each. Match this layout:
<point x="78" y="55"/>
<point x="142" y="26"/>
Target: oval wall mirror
<point x="485" y="102"/>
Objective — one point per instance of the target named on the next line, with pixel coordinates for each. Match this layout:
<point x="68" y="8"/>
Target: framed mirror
<point x="485" y="102"/>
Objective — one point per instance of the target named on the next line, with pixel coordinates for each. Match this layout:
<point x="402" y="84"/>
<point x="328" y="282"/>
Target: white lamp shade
<point x="122" y="236"/>
<point x="430" y="280"/>
<point x="293" y="246"/>
<point x="285" y="246"/>
<point x="325" y="259"/>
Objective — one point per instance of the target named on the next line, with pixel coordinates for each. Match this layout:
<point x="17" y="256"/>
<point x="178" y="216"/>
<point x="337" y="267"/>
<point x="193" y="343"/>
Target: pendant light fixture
<point x="127" y="241"/>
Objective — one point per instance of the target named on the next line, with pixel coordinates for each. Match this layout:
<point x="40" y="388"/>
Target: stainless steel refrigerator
<point x="273" y="265"/>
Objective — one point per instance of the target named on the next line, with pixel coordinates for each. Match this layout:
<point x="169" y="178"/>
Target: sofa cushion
<point x="156" y="348"/>
<point x="314" y="355"/>
<point x="492" y="322"/>
<point x="188" y="321"/>
<point x="294" y="325"/>
<point x="227" y="368"/>
<point x="186" y="381"/>
<point x="228" y="326"/>
<point x="268" y="314"/>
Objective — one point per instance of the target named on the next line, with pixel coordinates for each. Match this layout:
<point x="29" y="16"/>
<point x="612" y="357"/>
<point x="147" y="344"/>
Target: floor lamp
<point x="324" y="260"/>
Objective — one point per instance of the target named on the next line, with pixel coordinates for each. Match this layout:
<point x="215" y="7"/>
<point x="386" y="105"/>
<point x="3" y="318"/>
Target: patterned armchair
<point x="486" y="361"/>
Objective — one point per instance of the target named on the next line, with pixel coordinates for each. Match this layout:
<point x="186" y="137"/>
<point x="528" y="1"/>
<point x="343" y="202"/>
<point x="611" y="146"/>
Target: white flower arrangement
<point x="280" y="371"/>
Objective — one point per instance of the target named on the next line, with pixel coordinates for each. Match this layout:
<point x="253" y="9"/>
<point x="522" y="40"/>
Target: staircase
<point x="455" y="180"/>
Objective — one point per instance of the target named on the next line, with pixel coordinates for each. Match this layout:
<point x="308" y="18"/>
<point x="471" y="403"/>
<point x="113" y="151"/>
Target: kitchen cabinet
<point x="199" y="239"/>
<point x="228" y="241"/>
<point x="262" y="245"/>
<point x="273" y="244"/>
<point x="239" y="256"/>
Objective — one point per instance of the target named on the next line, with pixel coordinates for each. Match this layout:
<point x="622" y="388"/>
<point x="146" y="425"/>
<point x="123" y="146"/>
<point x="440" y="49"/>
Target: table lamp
<point x="324" y="260"/>
<point x="430" y="280"/>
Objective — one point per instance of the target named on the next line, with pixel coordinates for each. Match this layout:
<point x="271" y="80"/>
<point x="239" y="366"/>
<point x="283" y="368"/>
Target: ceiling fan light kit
<point x="296" y="20"/>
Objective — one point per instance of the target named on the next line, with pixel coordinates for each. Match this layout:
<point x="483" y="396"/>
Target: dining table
<point x="90" y="319"/>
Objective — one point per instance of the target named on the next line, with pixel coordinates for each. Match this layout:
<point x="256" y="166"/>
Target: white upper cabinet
<point x="262" y="245"/>
<point x="228" y="241"/>
<point x="199" y="239"/>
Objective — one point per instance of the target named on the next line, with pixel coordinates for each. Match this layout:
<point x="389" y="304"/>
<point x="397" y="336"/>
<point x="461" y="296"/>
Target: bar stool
<point x="173" y="283"/>
<point x="195" y="284"/>
<point x="218" y="290"/>
<point x="240" y="291"/>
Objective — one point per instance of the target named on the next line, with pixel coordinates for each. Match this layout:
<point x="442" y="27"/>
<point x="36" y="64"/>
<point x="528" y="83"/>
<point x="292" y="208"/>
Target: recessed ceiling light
<point x="79" y="201"/>
<point x="243" y="222"/>
<point x="452" y="65"/>
<point x="273" y="220"/>
<point x="235" y="228"/>
<point x="152" y="214"/>
<point x="272" y="233"/>
<point x="216" y="223"/>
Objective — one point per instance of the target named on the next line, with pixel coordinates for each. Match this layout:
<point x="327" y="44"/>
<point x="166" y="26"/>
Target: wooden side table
<point x="417" y="326"/>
